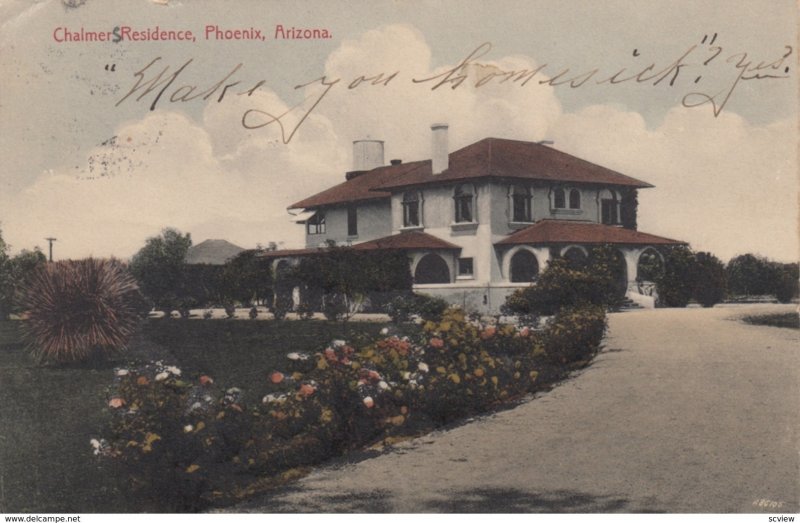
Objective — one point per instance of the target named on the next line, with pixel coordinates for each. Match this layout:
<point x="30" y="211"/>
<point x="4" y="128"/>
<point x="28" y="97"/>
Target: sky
<point x="101" y="172"/>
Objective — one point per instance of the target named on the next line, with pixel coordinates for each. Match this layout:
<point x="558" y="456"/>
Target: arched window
<point x="574" y="199"/>
<point x="411" y="208"/>
<point x="576" y="258"/>
<point x="316" y="224"/>
<point x="464" y="197"/>
<point x="520" y="204"/>
<point x="609" y="208"/>
<point x="559" y="199"/>
<point x="432" y="269"/>
<point x="524" y="267"/>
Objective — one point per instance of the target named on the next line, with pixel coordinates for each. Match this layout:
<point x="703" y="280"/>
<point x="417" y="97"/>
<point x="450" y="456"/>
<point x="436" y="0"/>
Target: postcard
<point x="327" y="163"/>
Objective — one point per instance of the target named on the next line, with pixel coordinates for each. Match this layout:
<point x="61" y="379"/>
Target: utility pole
<point x="50" y="241"/>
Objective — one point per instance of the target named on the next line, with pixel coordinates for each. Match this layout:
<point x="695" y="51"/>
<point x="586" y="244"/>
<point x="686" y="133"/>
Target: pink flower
<point x="437" y="343"/>
<point x="488" y="332"/>
<point x="525" y="332"/>
<point x="276" y="377"/>
<point x="116" y="403"/>
<point x="307" y="389"/>
<point x="369" y="402"/>
<point x="206" y="380"/>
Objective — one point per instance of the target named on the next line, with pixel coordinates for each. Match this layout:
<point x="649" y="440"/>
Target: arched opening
<point x="650" y="266"/>
<point x="524" y="268"/>
<point x="574" y="199"/>
<point x="576" y="258"/>
<point x="432" y="269"/>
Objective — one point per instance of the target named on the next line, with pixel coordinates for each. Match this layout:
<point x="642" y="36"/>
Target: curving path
<point x="686" y="410"/>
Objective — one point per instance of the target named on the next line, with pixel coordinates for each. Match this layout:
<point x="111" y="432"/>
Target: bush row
<point x="191" y="442"/>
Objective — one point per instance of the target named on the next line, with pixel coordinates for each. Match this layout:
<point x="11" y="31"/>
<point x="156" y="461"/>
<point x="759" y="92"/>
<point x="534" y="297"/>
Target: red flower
<point x="276" y="377"/>
<point x="436" y="343"/>
<point x="206" y="380"/>
<point x="116" y="403"/>
<point x="488" y="332"/>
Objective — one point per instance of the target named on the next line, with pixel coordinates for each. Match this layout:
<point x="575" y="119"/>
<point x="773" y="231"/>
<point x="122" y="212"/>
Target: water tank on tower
<point x="367" y="154"/>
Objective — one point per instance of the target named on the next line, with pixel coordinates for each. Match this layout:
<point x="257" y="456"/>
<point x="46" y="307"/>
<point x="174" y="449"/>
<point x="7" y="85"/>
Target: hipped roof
<point x="492" y="158"/>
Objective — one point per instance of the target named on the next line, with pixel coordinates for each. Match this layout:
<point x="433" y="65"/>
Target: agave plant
<point x="80" y="309"/>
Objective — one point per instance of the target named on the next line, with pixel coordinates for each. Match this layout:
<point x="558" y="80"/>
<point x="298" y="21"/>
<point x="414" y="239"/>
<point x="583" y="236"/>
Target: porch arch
<point x="431" y="268"/>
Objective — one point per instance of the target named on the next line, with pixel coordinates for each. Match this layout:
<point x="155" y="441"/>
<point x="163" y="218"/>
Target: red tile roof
<point x="500" y="158"/>
<point x="406" y="240"/>
<point x="360" y="188"/>
<point x="401" y="241"/>
<point x="564" y="231"/>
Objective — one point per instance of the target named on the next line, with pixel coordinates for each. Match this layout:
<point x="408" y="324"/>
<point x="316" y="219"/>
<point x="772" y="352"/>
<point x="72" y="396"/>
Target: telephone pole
<point x="50" y="241"/>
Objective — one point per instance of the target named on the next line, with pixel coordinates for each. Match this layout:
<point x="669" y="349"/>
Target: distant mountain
<point x="212" y="252"/>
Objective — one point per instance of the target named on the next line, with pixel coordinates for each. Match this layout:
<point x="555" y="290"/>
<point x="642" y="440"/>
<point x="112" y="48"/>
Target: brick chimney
<point x="440" y="155"/>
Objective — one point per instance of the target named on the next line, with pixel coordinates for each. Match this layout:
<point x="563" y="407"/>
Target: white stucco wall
<point x="374" y="221"/>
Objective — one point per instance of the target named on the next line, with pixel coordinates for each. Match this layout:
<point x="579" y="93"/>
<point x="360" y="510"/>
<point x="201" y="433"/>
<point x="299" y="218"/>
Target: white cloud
<point x="722" y="184"/>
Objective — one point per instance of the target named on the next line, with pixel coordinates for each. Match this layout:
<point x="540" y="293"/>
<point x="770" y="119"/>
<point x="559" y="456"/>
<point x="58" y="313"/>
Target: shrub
<point x="403" y="307"/>
<point x="709" y="279"/>
<point x="785" y="286"/>
<point x="561" y="286"/>
<point x="575" y="334"/>
<point x="676" y="284"/>
<point x="79" y="309"/>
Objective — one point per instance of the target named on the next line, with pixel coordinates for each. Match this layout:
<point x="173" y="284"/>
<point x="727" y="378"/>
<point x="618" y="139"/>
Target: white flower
<point x="233" y="390"/>
<point x="338" y="343"/>
<point x="385" y="331"/>
<point x="207" y="398"/>
<point x="383" y="385"/>
<point x="188" y="428"/>
<point x="95" y="443"/>
<point x="369" y="402"/>
<point x="406" y="375"/>
<point x="173" y="370"/>
<point x="270" y="398"/>
<point x="423" y="367"/>
<point x="122" y="372"/>
<point x="161" y="376"/>
<point x="295" y="356"/>
<point x="196" y="405"/>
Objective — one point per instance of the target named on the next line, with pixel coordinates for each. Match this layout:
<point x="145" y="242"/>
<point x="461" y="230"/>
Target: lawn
<point x="49" y="414"/>
<point x="789" y="320"/>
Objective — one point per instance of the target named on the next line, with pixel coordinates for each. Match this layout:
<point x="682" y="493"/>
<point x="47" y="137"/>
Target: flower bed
<point x="191" y="442"/>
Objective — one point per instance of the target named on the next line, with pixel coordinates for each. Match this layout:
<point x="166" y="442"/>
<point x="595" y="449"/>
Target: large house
<point x="482" y="221"/>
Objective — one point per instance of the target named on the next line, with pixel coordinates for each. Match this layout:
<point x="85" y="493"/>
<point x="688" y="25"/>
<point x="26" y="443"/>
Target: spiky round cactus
<point x="79" y="309"/>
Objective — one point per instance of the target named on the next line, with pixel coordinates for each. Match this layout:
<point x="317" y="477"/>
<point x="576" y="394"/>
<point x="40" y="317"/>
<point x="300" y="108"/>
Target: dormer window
<point x="574" y="199"/>
<point x="559" y="198"/>
<point x="411" y="209"/>
<point x="520" y="204"/>
<point x="464" y="198"/>
<point x="316" y="224"/>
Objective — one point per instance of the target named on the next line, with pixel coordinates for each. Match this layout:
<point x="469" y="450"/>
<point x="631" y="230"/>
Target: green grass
<point x="49" y="414"/>
<point x="789" y="320"/>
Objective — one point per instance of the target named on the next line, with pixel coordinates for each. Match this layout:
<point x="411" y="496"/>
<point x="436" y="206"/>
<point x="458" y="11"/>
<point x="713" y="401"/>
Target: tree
<point x="675" y="285"/>
<point x="785" y="284"/>
<point x="6" y="281"/>
<point x="709" y="279"/>
<point x="246" y="278"/>
<point x="750" y="275"/>
<point x="159" y="268"/>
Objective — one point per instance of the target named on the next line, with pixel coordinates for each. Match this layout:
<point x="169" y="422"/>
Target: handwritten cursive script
<point x="689" y="66"/>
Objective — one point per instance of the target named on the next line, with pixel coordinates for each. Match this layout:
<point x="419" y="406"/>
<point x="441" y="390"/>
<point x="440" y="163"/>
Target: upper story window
<point x="411" y="209"/>
<point x="520" y="204"/>
<point x="316" y="224"/>
<point x="352" y="221"/>
<point x="559" y="198"/>
<point x="464" y="198"/>
<point x="574" y="199"/>
<point x="609" y="207"/>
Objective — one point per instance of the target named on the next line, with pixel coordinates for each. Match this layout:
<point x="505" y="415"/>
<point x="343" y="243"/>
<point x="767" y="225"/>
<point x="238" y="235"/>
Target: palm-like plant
<point x="75" y="310"/>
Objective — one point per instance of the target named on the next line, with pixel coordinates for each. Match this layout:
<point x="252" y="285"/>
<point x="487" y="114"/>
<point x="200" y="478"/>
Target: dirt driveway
<point x="686" y="410"/>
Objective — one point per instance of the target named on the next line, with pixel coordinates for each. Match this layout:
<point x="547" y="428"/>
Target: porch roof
<point x="570" y="231"/>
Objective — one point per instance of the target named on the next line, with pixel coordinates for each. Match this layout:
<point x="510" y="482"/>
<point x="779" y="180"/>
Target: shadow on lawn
<point x="477" y="500"/>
